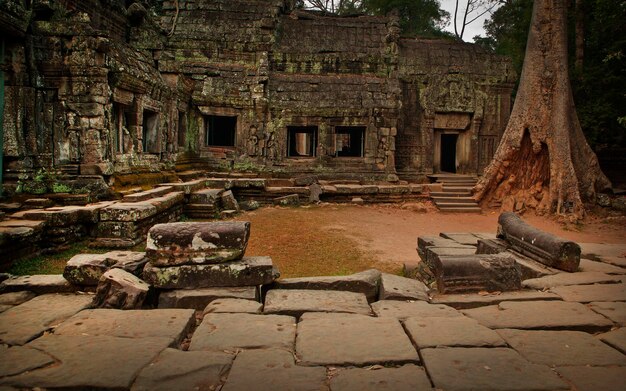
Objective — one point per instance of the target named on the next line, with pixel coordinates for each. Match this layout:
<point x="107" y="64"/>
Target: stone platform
<point x="568" y="335"/>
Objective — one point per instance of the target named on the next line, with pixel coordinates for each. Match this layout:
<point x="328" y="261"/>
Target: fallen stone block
<point x="315" y="191"/>
<point x="423" y="242"/>
<point x="394" y="287"/>
<point x="38" y="284"/>
<point x="247" y="272"/>
<point x="228" y="201"/>
<point x="29" y="320"/>
<point x="351" y="339"/>
<point x="295" y="302"/>
<point x="366" y="282"/>
<point x="174" y="369"/>
<point x="478" y="272"/>
<point x="219" y="332"/>
<point x="273" y="369"/>
<point x="433" y="254"/>
<point x="229" y="305"/>
<point x="120" y="289"/>
<point x="86" y="269"/>
<point x="288" y="200"/>
<point x="541" y="246"/>
<point x="185" y="243"/>
<point x="198" y="299"/>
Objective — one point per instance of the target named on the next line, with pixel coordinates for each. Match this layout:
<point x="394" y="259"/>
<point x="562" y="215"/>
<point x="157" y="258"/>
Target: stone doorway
<point x="448" y="152"/>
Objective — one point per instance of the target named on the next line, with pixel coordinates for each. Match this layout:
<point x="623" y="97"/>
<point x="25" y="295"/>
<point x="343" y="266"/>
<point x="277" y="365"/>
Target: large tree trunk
<point x="543" y="161"/>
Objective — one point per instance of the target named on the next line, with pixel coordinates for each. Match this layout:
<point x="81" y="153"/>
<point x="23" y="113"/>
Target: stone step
<point x="441" y="205"/>
<point x="457" y="189"/>
<point x="459" y="199"/>
<point x="456" y="209"/>
<point x="449" y="194"/>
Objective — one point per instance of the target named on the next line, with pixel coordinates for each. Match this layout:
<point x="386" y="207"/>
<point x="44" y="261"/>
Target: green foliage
<point x="60" y="188"/>
<point x="417" y="17"/>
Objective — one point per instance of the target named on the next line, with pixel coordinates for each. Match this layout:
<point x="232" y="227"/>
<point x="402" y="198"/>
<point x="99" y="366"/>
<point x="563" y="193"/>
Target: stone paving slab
<point x="587" y="265"/>
<point x="562" y="348"/>
<point x="595" y="378"/>
<point x="20" y="324"/>
<point x="405" y="309"/>
<point x="350" y="339"/>
<point x="408" y="377"/>
<point x="474" y="300"/>
<point x="198" y="299"/>
<point x="394" y="287"/>
<point x="565" y="279"/>
<point x="220" y="332"/>
<point x="229" y="305"/>
<point x="18" y="359"/>
<point x="39" y="284"/>
<point x="615" y="311"/>
<point x="589" y="293"/>
<point x="169" y="323"/>
<point x="90" y="362"/>
<point x="272" y="370"/>
<point x="487" y="369"/>
<point x="295" y="302"/>
<point x="15" y="298"/>
<point x="457" y="331"/>
<point x="615" y="338"/>
<point x="615" y="260"/>
<point x="366" y="282"/>
<point x="600" y="250"/>
<point x="178" y="370"/>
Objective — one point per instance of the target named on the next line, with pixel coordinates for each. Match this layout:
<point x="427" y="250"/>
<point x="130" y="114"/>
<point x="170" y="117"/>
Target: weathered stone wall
<point x="106" y="87"/>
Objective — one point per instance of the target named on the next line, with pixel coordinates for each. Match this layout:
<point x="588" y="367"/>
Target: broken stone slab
<point x="86" y="269"/>
<point x="225" y="331"/>
<point x="562" y="348"/>
<point x="494" y="369"/>
<point x="288" y="200"/>
<point x="273" y="369"/>
<point x="16" y="298"/>
<point x="228" y="201"/>
<point x="315" y="191"/>
<point x="352" y="339"/>
<point x="589" y="293"/>
<point x="198" y="299"/>
<point x="118" y="288"/>
<point x="366" y="282"/>
<point x="39" y="284"/>
<point x="24" y="322"/>
<point x="434" y="254"/>
<point x="394" y="287"/>
<point x="173" y="324"/>
<point x="173" y="244"/>
<point x="295" y="302"/>
<point x="564" y="279"/>
<point x="408" y="377"/>
<point x="18" y="359"/>
<point x="615" y="311"/>
<point x="615" y="338"/>
<point x="174" y="369"/>
<point x="405" y="309"/>
<point x="478" y="272"/>
<point x="546" y="315"/>
<point x="539" y="245"/>
<point x="587" y="265"/>
<point x="474" y="300"/>
<point x="229" y="305"/>
<point x="206" y="196"/>
<point x="423" y="242"/>
<point x="456" y="331"/>
<point x="116" y="361"/>
<point x="249" y="271"/>
<point x="586" y="378"/>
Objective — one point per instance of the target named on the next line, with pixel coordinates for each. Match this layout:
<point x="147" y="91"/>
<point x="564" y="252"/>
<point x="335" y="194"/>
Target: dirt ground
<point x="331" y="239"/>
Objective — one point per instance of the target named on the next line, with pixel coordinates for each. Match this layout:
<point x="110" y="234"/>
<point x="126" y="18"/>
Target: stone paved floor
<point x="565" y="337"/>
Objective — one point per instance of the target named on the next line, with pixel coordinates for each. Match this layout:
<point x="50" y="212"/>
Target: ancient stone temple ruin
<point x="109" y="88"/>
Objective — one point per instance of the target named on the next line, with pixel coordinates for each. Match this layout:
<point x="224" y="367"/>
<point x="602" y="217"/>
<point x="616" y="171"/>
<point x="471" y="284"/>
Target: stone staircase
<point x="456" y="194"/>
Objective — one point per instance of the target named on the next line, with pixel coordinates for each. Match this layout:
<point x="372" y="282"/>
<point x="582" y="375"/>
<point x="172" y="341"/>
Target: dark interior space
<point x="448" y="152"/>
<point x="302" y="141"/>
<point x="220" y="130"/>
<point x="349" y="141"/>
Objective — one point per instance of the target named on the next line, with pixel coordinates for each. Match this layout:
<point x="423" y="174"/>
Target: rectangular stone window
<point x="182" y="128"/>
<point x="349" y="141"/>
<point x="220" y="130"/>
<point x="150" y="132"/>
<point x="301" y="141"/>
<point x="121" y="132"/>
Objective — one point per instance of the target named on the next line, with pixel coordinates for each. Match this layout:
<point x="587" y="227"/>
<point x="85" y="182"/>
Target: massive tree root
<point x="543" y="161"/>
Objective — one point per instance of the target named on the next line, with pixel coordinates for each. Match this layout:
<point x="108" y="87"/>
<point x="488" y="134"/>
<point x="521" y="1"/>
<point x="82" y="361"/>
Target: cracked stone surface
<point x="589" y="293"/>
<point x="456" y="331"/>
<point x="405" y="309"/>
<point x="229" y="305"/>
<point x="564" y="279"/>
<point x="615" y="338"/>
<point x="408" y="377"/>
<point x="615" y="311"/>
<point x="18" y="359"/>
<point x="295" y="302"/>
<point x="595" y="378"/>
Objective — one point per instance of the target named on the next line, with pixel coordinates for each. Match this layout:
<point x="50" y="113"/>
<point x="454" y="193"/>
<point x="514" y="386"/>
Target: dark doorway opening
<point x="302" y="141"/>
<point x="220" y="131"/>
<point x="448" y="152"/>
<point x="349" y="141"/>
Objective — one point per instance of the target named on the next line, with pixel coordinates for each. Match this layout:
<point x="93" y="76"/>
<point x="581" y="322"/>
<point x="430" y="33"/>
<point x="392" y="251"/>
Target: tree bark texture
<point x="543" y="161"/>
